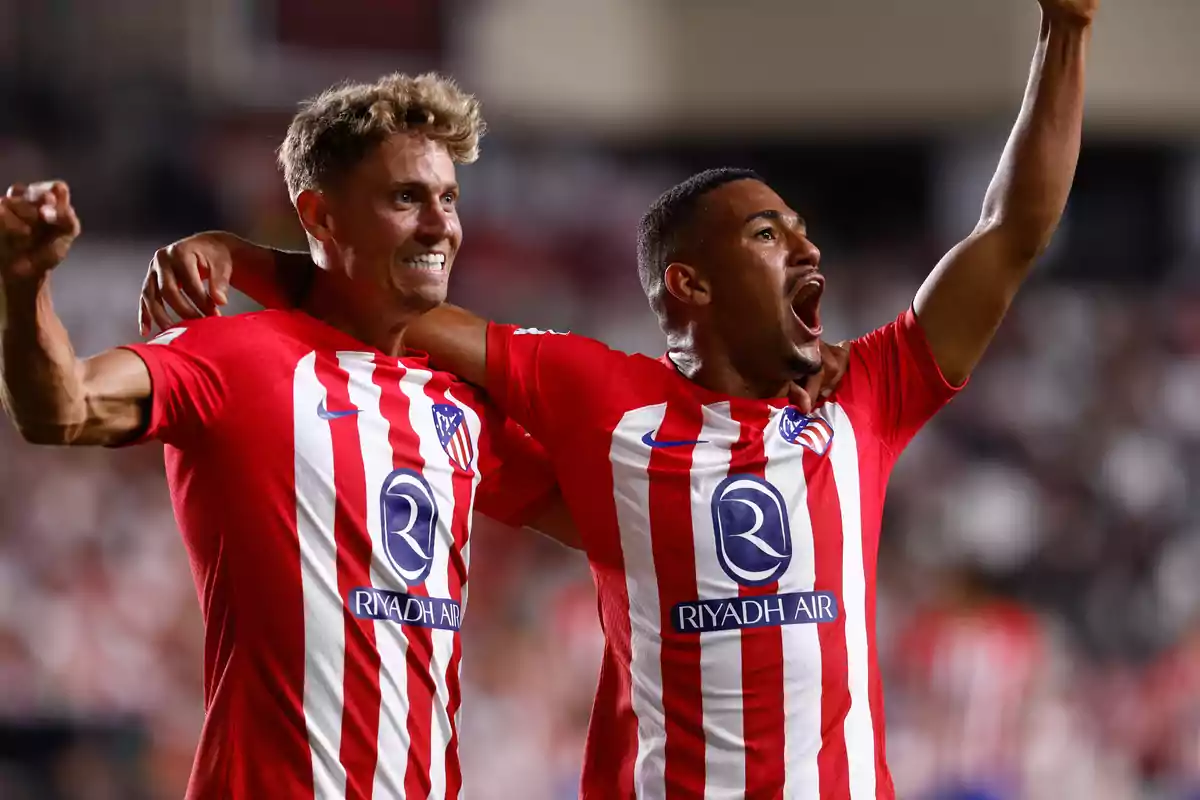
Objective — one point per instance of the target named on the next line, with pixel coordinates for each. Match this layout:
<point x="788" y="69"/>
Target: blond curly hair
<point x="337" y="128"/>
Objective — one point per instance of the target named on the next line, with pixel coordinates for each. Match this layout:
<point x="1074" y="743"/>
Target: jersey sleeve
<point x="905" y="384"/>
<point x="517" y="482"/>
<point x="189" y="387"/>
<point x="547" y="380"/>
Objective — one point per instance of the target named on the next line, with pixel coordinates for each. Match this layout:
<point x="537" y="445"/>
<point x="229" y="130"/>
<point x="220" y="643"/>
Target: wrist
<point x="1066" y="20"/>
<point x="23" y="294"/>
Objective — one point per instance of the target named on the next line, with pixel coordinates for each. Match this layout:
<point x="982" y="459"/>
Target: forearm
<point x="271" y="278"/>
<point x="42" y="380"/>
<point x="455" y="339"/>
<point x="1029" y="191"/>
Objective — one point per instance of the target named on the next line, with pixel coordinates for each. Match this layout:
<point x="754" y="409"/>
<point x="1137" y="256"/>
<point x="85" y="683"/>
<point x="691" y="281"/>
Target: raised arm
<point x="52" y="396"/>
<point x="962" y="302"/>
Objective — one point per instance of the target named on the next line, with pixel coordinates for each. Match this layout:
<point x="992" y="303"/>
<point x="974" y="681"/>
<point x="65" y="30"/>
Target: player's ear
<point x="313" y="210"/>
<point x="686" y="284"/>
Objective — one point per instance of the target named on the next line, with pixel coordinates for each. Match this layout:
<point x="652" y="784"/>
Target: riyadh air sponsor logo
<point x="367" y="602"/>
<point x="795" y="608"/>
<point x="750" y="522"/>
<point x="409" y="516"/>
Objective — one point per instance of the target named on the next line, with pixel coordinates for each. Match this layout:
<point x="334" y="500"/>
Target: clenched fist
<point x="1080" y="11"/>
<point x="37" y="227"/>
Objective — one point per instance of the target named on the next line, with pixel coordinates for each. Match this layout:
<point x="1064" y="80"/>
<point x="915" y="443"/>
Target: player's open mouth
<point x="426" y="262"/>
<point x="806" y="304"/>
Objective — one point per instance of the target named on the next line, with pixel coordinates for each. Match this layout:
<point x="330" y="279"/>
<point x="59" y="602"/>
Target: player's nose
<point x="804" y="252"/>
<point x="437" y="224"/>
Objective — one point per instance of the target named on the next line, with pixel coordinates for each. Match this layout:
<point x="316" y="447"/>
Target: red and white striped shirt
<point x="733" y="546"/>
<point x="324" y="492"/>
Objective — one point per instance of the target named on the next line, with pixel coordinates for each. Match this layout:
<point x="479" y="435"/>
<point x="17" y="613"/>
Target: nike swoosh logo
<point x="325" y="413"/>
<point x="650" y="441"/>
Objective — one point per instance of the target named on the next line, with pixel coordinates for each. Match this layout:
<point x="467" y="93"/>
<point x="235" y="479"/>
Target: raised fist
<point x="37" y="227"/>
<point x="1075" y="10"/>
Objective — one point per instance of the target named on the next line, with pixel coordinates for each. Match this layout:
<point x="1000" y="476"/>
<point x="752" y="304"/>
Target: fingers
<point x="52" y="202"/>
<point x="184" y="268"/>
<point x="17" y="219"/>
<point x="800" y="397"/>
<point x="154" y="308"/>
<point x="171" y="295"/>
<point x="143" y="317"/>
<point x="219" y="276"/>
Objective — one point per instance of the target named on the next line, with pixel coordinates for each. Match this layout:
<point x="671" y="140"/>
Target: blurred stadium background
<point x="1039" y="590"/>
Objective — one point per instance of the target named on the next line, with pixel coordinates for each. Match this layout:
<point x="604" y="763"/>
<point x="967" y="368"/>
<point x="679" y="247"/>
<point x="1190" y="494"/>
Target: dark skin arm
<point x="51" y="395"/>
<point x="963" y="300"/>
<point x="455" y="338"/>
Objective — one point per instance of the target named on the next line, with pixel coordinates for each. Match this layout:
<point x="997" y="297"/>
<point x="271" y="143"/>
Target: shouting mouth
<point x="806" y="304"/>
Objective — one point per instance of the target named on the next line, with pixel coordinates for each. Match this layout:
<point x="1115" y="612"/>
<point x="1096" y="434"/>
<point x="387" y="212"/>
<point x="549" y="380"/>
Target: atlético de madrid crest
<point x="811" y="432"/>
<point x="454" y="435"/>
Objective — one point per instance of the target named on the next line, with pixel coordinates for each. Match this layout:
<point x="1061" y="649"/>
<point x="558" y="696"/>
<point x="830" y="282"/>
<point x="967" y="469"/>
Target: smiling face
<point x="764" y="288"/>
<point x="393" y="221"/>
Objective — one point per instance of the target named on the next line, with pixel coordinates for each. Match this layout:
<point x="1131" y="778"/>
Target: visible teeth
<point x="430" y="261"/>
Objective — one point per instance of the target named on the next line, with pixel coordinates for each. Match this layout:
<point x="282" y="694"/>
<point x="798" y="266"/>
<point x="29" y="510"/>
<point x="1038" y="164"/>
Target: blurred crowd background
<point x="1039" y="600"/>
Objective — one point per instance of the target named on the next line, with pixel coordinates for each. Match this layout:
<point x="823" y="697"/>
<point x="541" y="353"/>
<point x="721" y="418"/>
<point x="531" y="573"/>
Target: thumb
<point x="800" y="398"/>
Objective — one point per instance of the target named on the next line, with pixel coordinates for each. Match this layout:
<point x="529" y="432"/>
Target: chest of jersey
<point x="718" y="502"/>
<point x="385" y="464"/>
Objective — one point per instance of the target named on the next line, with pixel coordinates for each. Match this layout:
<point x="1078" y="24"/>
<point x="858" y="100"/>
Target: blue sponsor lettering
<point x="796" y="608"/>
<point x="407" y="609"/>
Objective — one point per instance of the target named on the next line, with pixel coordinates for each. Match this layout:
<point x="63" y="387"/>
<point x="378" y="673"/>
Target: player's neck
<point x="710" y="366"/>
<point x="335" y="302"/>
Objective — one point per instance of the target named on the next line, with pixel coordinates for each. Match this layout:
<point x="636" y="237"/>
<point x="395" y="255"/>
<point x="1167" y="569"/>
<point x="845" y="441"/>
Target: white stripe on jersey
<point x="631" y="485"/>
<point x="440" y="474"/>
<point x="802" y="678"/>
<point x="860" y="735"/>
<point x="720" y="651"/>
<point x="324" y="634"/>
<point x="392" y="737"/>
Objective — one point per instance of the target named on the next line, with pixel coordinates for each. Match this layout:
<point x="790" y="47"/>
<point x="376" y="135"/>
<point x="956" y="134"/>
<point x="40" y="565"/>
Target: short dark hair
<point x="657" y="242"/>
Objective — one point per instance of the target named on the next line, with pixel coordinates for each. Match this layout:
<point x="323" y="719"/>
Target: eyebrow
<point x="398" y="185"/>
<point x="777" y="216"/>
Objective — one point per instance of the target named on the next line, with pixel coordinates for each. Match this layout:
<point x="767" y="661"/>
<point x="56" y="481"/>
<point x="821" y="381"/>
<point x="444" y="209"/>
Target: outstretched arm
<point x="52" y="396"/>
<point x="962" y="302"/>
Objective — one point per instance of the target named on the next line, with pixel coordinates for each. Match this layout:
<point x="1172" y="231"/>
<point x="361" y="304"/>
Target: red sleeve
<point x="518" y="481"/>
<point x="188" y="388"/>
<point x="904" y="381"/>
<point x="546" y="380"/>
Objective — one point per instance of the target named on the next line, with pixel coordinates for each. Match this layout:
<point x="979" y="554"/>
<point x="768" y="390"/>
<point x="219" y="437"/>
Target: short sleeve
<point x="188" y="386"/>
<point x="906" y="386"/>
<point x="518" y="481"/>
<point x="546" y="380"/>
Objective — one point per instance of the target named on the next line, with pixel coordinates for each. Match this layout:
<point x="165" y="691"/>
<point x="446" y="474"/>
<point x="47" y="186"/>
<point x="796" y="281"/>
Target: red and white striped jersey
<point x="733" y="546"/>
<point x="324" y="492"/>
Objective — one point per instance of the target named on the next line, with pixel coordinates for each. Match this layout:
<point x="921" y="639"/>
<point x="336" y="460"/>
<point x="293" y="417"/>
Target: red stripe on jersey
<point x="460" y="526"/>
<point x="406" y="454"/>
<point x="824" y="508"/>
<point x="610" y="751"/>
<point x="670" y="479"/>
<point x="361" y="699"/>
<point x="762" y="648"/>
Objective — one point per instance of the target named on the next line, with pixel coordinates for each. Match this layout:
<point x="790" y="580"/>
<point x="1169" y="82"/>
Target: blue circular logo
<point x="750" y="521"/>
<point x="408" y="514"/>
